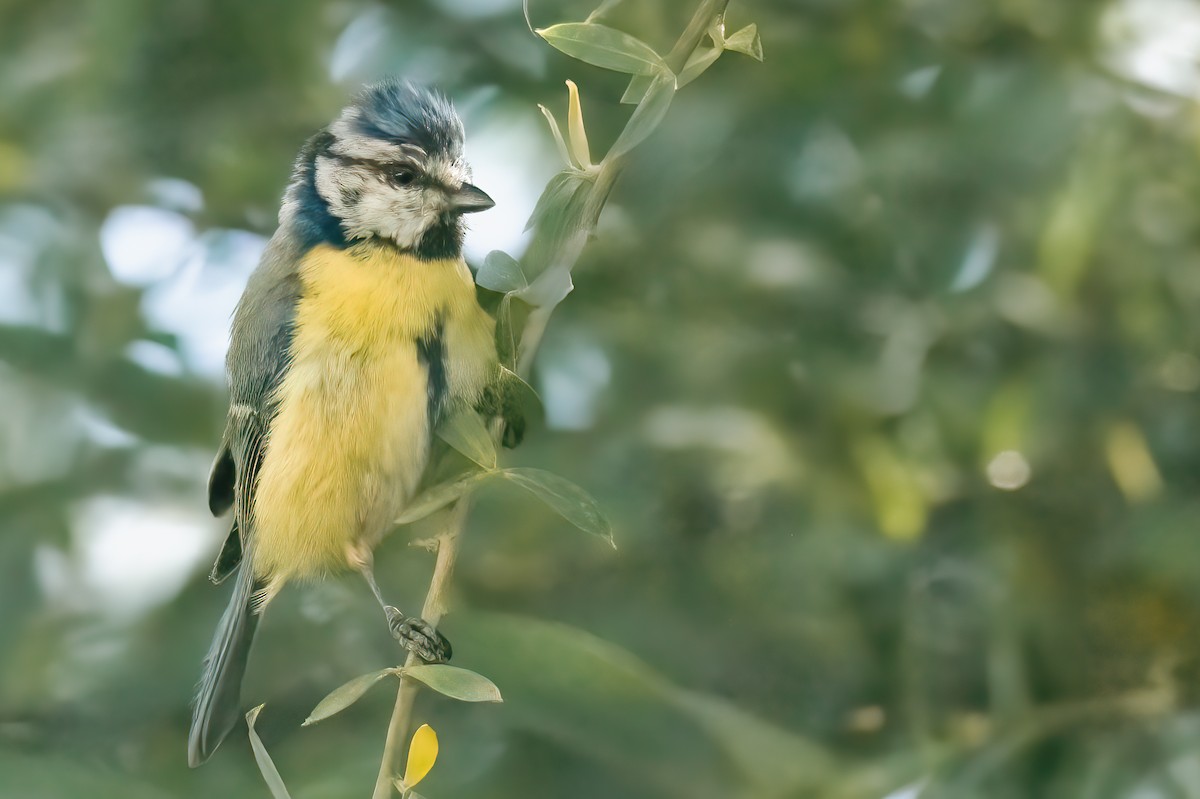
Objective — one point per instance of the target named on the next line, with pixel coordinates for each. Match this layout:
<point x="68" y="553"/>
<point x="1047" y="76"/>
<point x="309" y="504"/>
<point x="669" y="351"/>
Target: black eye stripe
<point x="382" y="167"/>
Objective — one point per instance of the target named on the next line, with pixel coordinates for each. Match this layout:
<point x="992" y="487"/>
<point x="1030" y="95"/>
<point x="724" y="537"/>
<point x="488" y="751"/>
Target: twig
<point x="432" y="612"/>
<point x="531" y="337"/>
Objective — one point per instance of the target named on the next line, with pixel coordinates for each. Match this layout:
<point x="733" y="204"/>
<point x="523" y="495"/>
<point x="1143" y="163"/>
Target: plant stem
<point x="432" y="612"/>
<point x="531" y="337"/>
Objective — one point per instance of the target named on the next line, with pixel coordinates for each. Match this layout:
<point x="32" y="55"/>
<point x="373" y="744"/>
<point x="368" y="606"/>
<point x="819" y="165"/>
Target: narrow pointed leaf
<point x="461" y="684"/>
<point x="344" y="696"/>
<point x="506" y="337"/>
<point x="637" y="88"/>
<point x="580" y="152"/>
<point x="265" y="765"/>
<point x="565" y="498"/>
<point x="520" y="397"/>
<point x="463" y="429"/>
<point x="556" y="132"/>
<point x="602" y="9"/>
<point x="422" y="754"/>
<point x="700" y="61"/>
<point x="501" y="272"/>
<point x="439" y="496"/>
<point x="602" y="46"/>
<point x="746" y="41"/>
<point x="647" y="116"/>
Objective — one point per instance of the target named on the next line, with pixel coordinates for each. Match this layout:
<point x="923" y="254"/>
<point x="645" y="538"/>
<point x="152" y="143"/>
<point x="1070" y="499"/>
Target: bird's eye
<point x="403" y="177"/>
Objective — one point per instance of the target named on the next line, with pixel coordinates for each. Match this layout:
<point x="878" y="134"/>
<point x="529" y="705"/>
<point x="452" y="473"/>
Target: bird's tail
<point x="218" y="700"/>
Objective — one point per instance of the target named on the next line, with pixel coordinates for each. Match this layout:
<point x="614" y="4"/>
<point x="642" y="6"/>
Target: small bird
<point x="358" y="328"/>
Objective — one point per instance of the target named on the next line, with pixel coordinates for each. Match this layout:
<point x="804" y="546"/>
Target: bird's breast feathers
<point x="350" y="438"/>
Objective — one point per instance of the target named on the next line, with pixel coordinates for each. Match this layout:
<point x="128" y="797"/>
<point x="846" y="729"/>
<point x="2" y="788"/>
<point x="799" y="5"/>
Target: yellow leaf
<point x="579" y="142"/>
<point x="422" y="753"/>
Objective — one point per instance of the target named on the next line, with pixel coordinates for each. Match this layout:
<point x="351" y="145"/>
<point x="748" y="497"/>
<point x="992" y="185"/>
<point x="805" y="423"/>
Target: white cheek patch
<point x="402" y="214"/>
<point x="340" y="187"/>
<point x="367" y="204"/>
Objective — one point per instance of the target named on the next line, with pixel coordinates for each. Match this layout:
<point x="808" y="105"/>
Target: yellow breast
<point x="351" y="435"/>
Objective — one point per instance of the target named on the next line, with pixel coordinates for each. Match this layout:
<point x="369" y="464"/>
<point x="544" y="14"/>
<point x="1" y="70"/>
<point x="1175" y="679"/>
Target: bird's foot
<point x="418" y="636"/>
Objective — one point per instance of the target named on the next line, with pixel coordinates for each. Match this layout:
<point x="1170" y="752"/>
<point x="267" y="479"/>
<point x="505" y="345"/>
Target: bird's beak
<point x="469" y="199"/>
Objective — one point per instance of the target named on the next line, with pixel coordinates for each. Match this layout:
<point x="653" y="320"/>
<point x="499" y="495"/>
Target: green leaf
<point x="461" y="684"/>
<point x="603" y="8"/>
<point x="556" y="132"/>
<point x="265" y="764"/>
<point x="500" y="272"/>
<point x="506" y="338"/>
<point x="697" y="64"/>
<point x="462" y="428"/>
<point x="565" y="498"/>
<point x="637" y="88"/>
<point x="602" y="46"/>
<point x="647" y="116"/>
<point x="746" y="41"/>
<point x="555" y="196"/>
<point x="550" y="288"/>
<point x="439" y="496"/>
<point x="341" y="698"/>
<point x="520" y="397"/>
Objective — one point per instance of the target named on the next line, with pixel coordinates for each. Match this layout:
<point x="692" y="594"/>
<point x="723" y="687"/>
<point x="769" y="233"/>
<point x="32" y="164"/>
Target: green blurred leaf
<point x="343" y="697"/>
<point x="501" y="272"/>
<point x="439" y="496"/>
<point x="746" y="41"/>
<point x="456" y="683"/>
<point x="462" y="428"/>
<point x="776" y="761"/>
<point x="565" y="498"/>
<point x="600" y="700"/>
<point x="647" y="116"/>
<point x="265" y="765"/>
<point x="605" y="47"/>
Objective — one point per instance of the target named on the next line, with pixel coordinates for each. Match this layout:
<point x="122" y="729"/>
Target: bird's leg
<point x="414" y="634"/>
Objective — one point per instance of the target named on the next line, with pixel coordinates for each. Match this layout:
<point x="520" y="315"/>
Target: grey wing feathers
<point x="258" y="358"/>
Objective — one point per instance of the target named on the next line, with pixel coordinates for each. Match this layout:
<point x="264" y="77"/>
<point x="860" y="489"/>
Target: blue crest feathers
<point x="399" y="111"/>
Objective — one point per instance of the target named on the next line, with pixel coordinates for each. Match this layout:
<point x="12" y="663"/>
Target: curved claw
<point x="419" y="637"/>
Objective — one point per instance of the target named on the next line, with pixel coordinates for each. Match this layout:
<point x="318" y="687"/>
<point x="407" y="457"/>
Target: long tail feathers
<point x="218" y="700"/>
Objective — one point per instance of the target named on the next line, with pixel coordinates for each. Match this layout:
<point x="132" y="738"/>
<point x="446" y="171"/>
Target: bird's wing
<point x="258" y="359"/>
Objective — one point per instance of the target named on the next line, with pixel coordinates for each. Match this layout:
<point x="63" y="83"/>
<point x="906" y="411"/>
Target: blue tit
<point x="358" y="327"/>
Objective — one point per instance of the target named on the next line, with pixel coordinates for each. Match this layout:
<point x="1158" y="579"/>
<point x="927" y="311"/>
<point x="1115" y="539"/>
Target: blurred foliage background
<point x="884" y="364"/>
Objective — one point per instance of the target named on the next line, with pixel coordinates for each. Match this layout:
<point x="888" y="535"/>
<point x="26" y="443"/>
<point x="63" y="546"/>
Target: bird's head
<point x="391" y="167"/>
